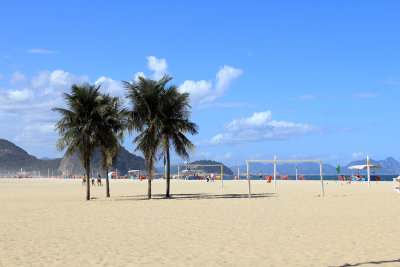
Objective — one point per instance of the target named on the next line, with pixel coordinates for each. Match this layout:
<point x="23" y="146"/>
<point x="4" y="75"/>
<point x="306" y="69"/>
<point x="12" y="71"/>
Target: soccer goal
<point x="275" y="161"/>
<point x="188" y="167"/>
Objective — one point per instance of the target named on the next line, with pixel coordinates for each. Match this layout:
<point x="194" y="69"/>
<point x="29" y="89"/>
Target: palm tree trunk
<point x="88" y="182"/>
<point x="107" y="184"/>
<point x="149" y="175"/>
<point x="168" y="172"/>
<point x="149" y="187"/>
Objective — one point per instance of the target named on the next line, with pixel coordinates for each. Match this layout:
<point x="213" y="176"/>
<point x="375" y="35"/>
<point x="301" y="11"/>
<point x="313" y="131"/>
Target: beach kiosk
<point x="367" y="167"/>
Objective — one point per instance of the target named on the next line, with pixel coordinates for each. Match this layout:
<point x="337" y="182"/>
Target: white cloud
<point x="256" y="120"/>
<point x="40" y="80"/>
<point x="159" y="66"/>
<point x="34" y="102"/>
<point x="17" y="77"/>
<point x="199" y="91"/>
<point x="110" y="86"/>
<point x="19" y="95"/>
<point x="33" y="134"/>
<point x="26" y="108"/>
<point x="358" y="155"/>
<point x="259" y="127"/>
<point x="63" y="79"/>
<point x="225" y="77"/>
<point x="58" y="79"/>
<point x="202" y="92"/>
<point x="138" y="74"/>
<point x="41" y="51"/>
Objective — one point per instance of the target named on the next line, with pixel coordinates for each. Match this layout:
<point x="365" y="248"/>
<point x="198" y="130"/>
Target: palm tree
<point x="145" y="96"/>
<point x="175" y="122"/>
<point x="112" y="134"/>
<point x="80" y="125"/>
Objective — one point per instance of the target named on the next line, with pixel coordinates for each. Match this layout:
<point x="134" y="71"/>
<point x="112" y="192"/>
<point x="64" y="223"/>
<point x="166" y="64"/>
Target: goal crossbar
<point x="285" y="160"/>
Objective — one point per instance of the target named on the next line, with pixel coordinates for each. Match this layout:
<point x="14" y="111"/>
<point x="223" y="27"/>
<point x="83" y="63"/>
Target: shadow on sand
<point x="194" y="196"/>
<point x="367" y="262"/>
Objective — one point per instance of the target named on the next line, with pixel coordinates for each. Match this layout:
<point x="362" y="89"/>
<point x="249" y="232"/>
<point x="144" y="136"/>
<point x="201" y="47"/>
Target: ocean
<point x="309" y="177"/>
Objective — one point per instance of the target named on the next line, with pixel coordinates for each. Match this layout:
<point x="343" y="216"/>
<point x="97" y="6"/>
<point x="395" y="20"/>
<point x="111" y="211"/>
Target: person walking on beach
<point x="260" y="175"/>
<point x="93" y="180"/>
<point x="83" y="180"/>
<point x="99" y="181"/>
<point x="212" y="177"/>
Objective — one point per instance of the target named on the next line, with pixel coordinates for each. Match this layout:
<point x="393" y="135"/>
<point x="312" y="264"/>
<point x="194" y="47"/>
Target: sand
<point x="48" y="222"/>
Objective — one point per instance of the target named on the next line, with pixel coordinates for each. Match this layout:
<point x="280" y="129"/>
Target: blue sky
<point x="296" y="79"/>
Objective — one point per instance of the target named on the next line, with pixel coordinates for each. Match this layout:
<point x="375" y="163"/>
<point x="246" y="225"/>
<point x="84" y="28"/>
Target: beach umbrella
<point x="364" y="167"/>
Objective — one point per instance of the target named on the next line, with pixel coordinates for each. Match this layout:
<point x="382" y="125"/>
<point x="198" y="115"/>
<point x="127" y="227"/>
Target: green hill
<point x="210" y="169"/>
<point x="125" y="161"/>
<point x="13" y="158"/>
<point x="207" y="169"/>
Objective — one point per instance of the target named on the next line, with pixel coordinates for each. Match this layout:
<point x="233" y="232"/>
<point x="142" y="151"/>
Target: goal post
<point x="295" y="161"/>
<point x="203" y="165"/>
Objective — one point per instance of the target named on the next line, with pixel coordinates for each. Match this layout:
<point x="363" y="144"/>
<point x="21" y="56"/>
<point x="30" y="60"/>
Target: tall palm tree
<point x="112" y="133"/>
<point x="80" y="125"/>
<point x="175" y="122"/>
<point x="145" y="97"/>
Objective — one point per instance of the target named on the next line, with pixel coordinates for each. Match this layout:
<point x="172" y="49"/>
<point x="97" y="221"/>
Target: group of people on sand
<point x="93" y="180"/>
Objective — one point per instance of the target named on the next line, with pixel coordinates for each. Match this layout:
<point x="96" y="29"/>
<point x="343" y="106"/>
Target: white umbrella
<point x="363" y="167"/>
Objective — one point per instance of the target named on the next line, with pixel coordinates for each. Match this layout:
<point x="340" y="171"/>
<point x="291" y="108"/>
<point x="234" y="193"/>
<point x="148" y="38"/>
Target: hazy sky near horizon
<point x="296" y="79"/>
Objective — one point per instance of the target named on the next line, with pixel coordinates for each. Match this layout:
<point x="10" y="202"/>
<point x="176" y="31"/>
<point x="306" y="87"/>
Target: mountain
<point x="207" y="169"/>
<point x="125" y="161"/>
<point x="389" y="166"/>
<point x="13" y="158"/>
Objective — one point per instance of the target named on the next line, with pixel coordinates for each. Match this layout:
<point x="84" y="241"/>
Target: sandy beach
<point x="48" y="222"/>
